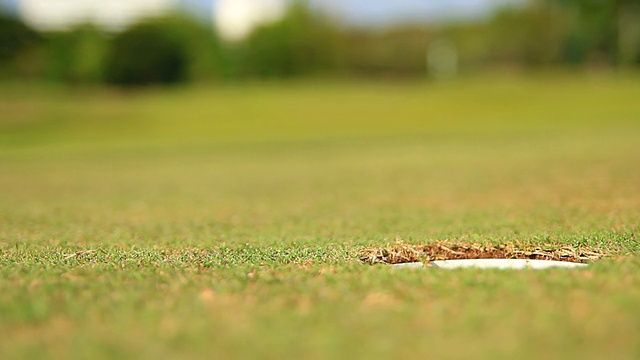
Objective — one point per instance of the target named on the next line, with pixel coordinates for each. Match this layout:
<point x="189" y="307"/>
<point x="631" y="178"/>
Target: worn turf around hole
<point x="399" y="252"/>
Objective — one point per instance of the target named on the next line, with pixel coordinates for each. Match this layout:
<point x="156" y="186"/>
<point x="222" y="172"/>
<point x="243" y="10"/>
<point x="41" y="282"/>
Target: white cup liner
<point x="493" y="264"/>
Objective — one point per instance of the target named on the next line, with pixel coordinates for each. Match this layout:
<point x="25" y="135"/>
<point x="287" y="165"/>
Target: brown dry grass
<point x="400" y="252"/>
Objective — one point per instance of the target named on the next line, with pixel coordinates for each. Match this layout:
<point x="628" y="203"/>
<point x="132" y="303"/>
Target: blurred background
<point x="269" y="120"/>
<point x="180" y="41"/>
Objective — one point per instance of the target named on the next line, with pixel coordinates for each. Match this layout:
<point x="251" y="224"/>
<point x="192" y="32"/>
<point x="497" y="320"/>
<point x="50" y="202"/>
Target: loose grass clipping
<point x="399" y="252"/>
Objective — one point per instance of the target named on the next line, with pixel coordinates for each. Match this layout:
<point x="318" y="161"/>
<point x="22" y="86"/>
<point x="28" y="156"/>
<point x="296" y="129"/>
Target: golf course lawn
<point x="227" y="221"/>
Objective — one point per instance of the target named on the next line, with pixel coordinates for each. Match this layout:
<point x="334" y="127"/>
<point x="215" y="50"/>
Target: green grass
<point x="226" y="222"/>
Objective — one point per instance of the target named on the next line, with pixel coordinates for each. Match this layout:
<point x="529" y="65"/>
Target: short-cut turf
<point x="229" y="222"/>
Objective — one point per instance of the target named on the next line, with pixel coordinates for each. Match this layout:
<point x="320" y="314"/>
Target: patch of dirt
<point x="403" y="253"/>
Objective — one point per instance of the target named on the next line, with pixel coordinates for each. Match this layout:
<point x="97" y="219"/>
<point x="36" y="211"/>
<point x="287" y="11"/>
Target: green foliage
<point x="15" y="37"/>
<point x="147" y="53"/>
<point x="575" y="48"/>
<point x="175" y="49"/>
<point x="399" y="51"/>
<point x="607" y="31"/>
<point x="548" y="33"/>
<point x="525" y="36"/>
<point x="166" y="50"/>
<point x="18" y="47"/>
<point x="204" y="53"/>
<point x="302" y="43"/>
<point x="77" y="56"/>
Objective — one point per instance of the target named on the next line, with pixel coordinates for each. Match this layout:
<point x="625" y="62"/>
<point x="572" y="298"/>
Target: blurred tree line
<point x="175" y="49"/>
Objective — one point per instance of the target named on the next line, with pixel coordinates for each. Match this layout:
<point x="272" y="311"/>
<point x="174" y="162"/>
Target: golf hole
<point x="457" y="255"/>
<point x="515" y="264"/>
